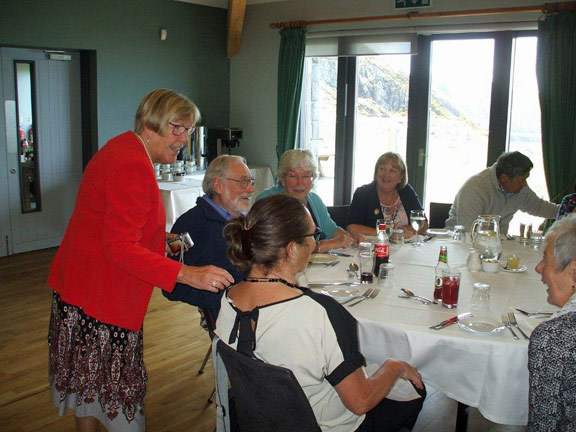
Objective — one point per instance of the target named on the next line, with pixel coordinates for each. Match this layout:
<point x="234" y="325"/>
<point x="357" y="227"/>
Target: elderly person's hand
<point x="208" y="278"/>
<point x="341" y="239"/>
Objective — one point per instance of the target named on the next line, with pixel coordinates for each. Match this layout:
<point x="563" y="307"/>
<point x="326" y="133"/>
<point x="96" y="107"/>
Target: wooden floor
<point x="174" y="346"/>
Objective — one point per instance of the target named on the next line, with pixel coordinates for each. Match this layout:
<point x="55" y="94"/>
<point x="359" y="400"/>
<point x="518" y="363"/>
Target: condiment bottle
<point x="442" y="264"/>
<point x="473" y="262"/>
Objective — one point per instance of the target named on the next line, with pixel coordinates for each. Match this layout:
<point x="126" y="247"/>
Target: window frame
<point x="418" y="102"/>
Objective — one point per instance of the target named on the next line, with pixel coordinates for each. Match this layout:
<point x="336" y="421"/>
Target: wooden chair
<point x="438" y="214"/>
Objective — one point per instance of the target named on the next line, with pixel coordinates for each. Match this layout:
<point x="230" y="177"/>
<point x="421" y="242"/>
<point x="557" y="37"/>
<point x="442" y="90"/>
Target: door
<point x="41" y="140"/>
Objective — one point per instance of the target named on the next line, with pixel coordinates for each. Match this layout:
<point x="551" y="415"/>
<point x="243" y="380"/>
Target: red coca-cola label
<point x="381" y="251"/>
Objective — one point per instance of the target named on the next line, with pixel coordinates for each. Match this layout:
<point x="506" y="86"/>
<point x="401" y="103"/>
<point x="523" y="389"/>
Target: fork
<point x="512" y="319"/>
<point x="371" y="295"/>
<point x="506" y="323"/>
<point x="356" y="297"/>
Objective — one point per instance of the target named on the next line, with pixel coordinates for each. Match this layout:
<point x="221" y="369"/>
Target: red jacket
<point x="112" y="254"/>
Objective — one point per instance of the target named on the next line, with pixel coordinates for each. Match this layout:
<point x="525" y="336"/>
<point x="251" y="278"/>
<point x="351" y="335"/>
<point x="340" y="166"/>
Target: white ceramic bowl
<point x="490" y="265"/>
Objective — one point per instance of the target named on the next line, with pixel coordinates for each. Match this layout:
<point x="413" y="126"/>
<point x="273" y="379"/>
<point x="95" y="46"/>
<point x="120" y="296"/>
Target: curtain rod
<point x="545" y="8"/>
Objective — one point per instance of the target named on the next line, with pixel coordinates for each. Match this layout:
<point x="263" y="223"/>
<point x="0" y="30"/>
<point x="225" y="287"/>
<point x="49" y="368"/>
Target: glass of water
<point x="417" y="221"/>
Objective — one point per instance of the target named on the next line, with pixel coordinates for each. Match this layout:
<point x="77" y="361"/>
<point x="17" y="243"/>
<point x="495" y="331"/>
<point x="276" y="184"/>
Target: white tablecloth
<point x="489" y="373"/>
<point x="179" y="197"/>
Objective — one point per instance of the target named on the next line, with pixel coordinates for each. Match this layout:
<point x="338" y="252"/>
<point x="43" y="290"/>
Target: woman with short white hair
<point x="297" y="172"/>
<point x="552" y="349"/>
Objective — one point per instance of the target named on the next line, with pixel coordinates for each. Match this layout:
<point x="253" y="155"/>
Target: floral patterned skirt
<point x="96" y="369"/>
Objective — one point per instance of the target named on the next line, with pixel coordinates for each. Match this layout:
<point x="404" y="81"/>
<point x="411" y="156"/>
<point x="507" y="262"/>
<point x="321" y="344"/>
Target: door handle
<point x="421" y="156"/>
<point x="13" y="171"/>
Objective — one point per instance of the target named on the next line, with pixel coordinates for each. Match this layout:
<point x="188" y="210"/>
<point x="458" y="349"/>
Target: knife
<point x="339" y="254"/>
<point x="428" y="238"/>
<point x="449" y="321"/>
<point x="325" y="284"/>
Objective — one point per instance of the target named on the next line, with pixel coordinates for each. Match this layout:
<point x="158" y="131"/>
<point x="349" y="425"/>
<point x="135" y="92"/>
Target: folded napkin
<point x="403" y="390"/>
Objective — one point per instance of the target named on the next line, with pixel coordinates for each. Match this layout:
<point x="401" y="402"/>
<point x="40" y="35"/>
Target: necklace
<point x="145" y="147"/>
<point x="273" y="280"/>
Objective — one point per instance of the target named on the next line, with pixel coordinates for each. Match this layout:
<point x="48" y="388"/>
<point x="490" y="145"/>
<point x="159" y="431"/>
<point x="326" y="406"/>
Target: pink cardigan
<point x="112" y="254"/>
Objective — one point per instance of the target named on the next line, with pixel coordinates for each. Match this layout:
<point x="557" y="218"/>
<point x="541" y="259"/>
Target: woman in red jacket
<point x="111" y="257"/>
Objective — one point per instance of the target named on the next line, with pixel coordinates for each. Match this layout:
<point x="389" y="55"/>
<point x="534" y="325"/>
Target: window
<point x="457" y="105"/>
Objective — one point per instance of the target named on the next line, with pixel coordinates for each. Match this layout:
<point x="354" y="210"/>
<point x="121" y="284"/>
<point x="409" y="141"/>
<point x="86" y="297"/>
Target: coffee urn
<point x="199" y="150"/>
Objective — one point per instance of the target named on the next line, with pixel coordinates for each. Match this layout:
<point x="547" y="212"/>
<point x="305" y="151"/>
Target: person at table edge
<point x="270" y="317"/>
<point x="389" y="196"/>
<point x="552" y="348"/>
<point x="499" y="190"/>
<point x="228" y="186"/>
<point x="297" y="171"/>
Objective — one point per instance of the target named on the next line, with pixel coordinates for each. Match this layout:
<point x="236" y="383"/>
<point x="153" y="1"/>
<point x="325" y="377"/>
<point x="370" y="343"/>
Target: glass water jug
<point x="485" y="234"/>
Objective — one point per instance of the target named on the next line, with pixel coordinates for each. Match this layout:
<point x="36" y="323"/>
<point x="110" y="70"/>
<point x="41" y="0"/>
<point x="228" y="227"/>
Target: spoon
<point x="411" y="294"/>
<point x="353" y="268"/>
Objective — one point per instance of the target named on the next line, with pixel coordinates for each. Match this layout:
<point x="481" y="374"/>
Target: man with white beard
<point x="228" y="186"/>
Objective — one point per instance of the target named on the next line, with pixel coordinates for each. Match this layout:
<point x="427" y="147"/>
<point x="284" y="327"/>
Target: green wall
<point x="131" y="59"/>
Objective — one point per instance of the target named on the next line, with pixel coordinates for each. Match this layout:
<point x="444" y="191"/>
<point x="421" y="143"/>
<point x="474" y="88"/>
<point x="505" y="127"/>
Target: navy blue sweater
<point x="365" y="205"/>
<point x="204" y="224"/>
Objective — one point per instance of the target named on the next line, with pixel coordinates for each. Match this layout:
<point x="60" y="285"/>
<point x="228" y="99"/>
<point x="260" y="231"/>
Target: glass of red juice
<point x="450" y="287"/>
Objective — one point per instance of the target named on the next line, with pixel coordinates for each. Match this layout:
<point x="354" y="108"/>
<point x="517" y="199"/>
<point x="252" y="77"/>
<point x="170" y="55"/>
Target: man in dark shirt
<point x="228" y="185"/>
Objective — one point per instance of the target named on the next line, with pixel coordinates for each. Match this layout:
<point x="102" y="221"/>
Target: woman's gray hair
<point x="218" y="168"/>
<point x="297" y="158"/>
<point x="563" y="234"/>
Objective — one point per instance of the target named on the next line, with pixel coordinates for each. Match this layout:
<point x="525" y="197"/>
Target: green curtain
<point x="556" y="72"/>
<point x="290" y="73"/>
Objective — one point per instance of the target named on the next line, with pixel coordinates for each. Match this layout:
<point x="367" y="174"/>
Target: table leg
<point x="462" y="417"/>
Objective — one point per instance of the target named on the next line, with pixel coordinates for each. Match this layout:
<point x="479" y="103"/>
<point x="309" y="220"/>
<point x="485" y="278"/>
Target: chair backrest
<point x="267" y="398"/>
<point x="339" y="214"/>
<point x="438" y="214"/>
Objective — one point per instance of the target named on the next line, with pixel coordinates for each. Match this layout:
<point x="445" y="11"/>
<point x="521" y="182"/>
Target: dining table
<point x="486" y="370"/>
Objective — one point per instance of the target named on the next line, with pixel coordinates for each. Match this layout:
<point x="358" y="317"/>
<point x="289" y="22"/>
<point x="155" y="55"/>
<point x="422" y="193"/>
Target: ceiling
<point x="223" y="4"/>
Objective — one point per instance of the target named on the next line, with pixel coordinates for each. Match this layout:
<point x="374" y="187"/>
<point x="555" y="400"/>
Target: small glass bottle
<point x="473" y="262"/>
<point x="442" y="264"/>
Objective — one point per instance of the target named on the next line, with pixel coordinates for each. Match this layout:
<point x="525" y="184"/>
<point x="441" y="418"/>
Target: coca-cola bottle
<point x="442" y="264"/>
<point x="381" y="248"/>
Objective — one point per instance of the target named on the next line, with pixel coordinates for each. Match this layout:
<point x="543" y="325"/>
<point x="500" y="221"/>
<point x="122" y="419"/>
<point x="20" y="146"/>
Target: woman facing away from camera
<point x="111" y="257"/>
<point x="272" y="318"/>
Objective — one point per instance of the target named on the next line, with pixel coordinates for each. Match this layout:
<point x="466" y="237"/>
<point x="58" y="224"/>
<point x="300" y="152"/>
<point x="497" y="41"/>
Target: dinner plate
<point x="438" y="232"/>
<point x="341" y="294"/>
<point x="322" y="259"/>
<point x="520" y="269"/>
<point x="481" y="326"/>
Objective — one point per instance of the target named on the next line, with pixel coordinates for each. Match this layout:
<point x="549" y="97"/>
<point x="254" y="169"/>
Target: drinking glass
<point x="450" y="287"/>
<point x="366" y="260"/>
<point x="536" y="239"/>
<point x="417" y="221"/>
<point x="386" y="275"/>
<point x="525" y="230"/>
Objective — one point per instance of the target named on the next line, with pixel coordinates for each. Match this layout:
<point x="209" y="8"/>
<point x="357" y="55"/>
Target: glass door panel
<point x="525" y="133"/>
<point x="318" y="119"/>
<point x="381" y="117"/>
<point x="459" y="114"/>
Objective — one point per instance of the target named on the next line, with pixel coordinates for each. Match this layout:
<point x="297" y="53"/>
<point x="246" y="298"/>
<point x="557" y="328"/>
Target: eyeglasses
<point x="244" y="182"/>
<point x="305" y="177"/>
<point x="178" y="130"/>
<point x="316" y="234"/>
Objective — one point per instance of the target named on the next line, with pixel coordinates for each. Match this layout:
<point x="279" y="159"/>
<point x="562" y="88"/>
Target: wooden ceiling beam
<point x="236" y="13"/>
